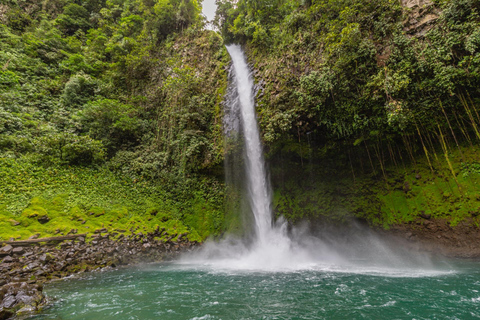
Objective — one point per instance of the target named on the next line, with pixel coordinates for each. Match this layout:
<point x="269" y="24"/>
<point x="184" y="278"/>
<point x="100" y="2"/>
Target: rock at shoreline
<point x="22" y="268"/>
<point x="20" y="297"/>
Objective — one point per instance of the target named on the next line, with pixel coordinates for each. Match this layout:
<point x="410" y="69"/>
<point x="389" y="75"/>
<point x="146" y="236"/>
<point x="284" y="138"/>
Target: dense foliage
<point x="354" y="70"/>
<point x="132" y="86"/>
<point x="372" y="93"/>
<point x="130" y="92"/>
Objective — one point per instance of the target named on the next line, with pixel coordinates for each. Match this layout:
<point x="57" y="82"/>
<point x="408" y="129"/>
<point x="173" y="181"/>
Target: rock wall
<point x="422" y="15"/>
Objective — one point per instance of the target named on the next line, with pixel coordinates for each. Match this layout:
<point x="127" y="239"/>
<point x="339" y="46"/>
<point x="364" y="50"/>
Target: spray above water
<point x="272" y="247"/>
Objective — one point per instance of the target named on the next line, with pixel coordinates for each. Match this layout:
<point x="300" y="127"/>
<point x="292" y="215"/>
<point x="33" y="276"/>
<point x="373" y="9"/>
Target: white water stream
<point x="259" y="192"/>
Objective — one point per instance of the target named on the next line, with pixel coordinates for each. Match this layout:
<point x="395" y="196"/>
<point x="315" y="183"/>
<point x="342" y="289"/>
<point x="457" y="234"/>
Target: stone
<point x="6" y="250"/>
<point x="24" y="298"/>
<point x="416" y="3"/>
<point x="18" y="250"/>
<point x="35" y="236"/>
<point x="44" y="258"/>
<point x="32" y="265"/>
<point x="102" y="230"/>
<point x="7" y="259"/>
<point x="8" y="302"/>
<point x="43" y="219"/>
<point x="39" y="272"/>
<point x="425" y="215"/>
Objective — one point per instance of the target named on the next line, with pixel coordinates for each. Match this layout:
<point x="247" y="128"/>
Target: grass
<point x="87" y="199"/>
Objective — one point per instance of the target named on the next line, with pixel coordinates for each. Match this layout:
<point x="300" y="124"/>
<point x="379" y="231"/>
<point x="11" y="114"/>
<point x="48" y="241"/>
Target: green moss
<point x="86" y="199"/>
<point x="409" y="193"/>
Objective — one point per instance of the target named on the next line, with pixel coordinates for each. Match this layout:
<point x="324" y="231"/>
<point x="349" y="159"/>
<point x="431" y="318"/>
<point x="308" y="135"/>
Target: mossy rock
<point x="96" y="211"/>
<point x="34" y="211"/>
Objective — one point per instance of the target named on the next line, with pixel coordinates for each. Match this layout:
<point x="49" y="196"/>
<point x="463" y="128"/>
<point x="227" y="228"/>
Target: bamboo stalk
<point x="469" y="113"/>
<point x="445" y="151"/>
<point x="424" y="148"/>
<point x="370" y="158"/>
<point x="451" y="130"/>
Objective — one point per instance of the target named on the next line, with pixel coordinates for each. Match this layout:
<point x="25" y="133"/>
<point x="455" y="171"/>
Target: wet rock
<point x="35" y="236"/>
<point x="30" y="265"/>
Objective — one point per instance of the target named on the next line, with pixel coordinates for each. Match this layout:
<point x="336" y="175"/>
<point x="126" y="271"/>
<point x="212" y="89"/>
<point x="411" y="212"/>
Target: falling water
<point x="259" y="193"/>
<point x="273" y="248"/>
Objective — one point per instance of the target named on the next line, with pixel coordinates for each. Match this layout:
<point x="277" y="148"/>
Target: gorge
<point x="290" y="159"/>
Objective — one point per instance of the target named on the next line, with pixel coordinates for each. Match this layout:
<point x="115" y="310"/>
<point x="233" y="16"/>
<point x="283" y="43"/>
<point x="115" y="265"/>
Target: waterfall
<point x="272" y="248"/>
<point x="258" y="186"/>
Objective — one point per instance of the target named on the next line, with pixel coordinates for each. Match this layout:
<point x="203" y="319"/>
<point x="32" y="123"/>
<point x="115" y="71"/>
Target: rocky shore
<point x="26" y="265"/>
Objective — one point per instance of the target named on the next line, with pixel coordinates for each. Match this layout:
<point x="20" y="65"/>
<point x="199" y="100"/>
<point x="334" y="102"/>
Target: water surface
<point x="183" y="291"/>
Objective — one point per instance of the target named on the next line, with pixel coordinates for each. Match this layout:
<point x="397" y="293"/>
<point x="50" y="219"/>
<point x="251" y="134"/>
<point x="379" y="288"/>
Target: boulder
<point x="43" y="219"/>
<point x="7" y="259"/>
<point x="8" y="301"/>
<point x="6" y="250"/>
<point x="18" y="250"/>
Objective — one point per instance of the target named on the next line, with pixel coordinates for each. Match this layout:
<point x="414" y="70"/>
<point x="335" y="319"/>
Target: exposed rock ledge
<point x="422" y="15"/>
<point x="437" y="236"/>
<point x="26" y="265"/>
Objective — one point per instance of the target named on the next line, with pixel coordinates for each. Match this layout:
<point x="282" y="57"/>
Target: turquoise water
<point x="184" y="291"/>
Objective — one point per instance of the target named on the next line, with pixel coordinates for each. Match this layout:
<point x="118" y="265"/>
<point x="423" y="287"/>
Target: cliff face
<point x="421" y="16"/>
<point x="368" y="109"/>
